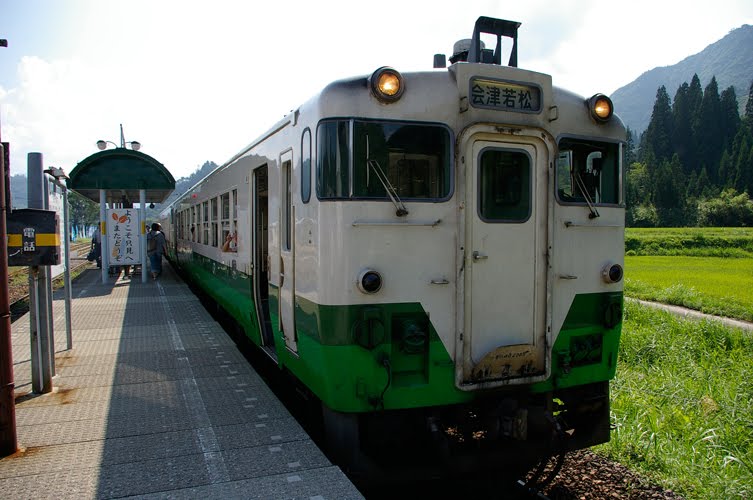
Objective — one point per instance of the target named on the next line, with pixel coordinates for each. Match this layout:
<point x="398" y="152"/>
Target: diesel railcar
<point x="433" y="253"/>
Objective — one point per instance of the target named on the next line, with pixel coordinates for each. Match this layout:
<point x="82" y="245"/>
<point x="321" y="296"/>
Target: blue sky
<point x="198" y="80"/>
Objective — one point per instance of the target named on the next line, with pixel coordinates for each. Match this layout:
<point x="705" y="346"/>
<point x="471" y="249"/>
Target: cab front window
<point x="378" y="159"/>
<point x="589" y="172"/>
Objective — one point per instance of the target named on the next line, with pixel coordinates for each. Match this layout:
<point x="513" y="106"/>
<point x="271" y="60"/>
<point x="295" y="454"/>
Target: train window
<point x="193" y="223"/>
<point x="215" y="239"/>
<point x="226" y="236"/>
<point x="286" y="202"/>
<point x="415" y="159"/>
<point x="504" y="186"/>
<point x="306" y="166"/>
<point x="234" y="228"/>
<point x="225" y="206"/>
<point x="589" y="172"/>
<point x="205" y="222"/>
<point x="333" y="160"/>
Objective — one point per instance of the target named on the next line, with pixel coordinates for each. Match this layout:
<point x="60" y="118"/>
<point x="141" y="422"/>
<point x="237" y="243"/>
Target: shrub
<point x="644" y="216"/>
<point x="728" y="210"/>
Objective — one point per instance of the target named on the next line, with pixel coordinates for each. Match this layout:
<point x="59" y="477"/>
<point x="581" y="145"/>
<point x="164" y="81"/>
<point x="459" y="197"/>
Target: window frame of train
<point x="225" y="217"/>
<point x="195" y="231"/>
<point x="306" y="165"/>
<point x="599" y="163"/>
<point x="214" y="214"/>
<point x="505" y="187"/>
<point x="205" y="222"/>
<point x="346" y="149"/>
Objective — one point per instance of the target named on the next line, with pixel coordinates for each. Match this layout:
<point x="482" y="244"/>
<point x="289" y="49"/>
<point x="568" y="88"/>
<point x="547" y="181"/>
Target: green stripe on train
<point x="345" y="353"/>
<point x="341" y="350"/>
<point x="586" y="348"/>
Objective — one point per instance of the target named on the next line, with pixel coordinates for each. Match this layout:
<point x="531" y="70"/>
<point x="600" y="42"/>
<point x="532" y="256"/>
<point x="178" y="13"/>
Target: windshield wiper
<point x="584" y="192"/>
<point x="401" y="211"/>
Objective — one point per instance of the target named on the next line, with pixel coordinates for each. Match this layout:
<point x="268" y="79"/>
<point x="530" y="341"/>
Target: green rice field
<point x="707" y="269"/>
<point x="714" y="285"/>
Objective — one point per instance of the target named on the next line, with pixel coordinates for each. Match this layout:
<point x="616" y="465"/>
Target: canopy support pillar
<point x="142" y="240"/>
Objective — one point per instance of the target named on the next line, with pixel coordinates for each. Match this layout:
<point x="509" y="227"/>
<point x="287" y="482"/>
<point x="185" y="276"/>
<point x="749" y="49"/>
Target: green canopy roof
<point x="121" y="172"/>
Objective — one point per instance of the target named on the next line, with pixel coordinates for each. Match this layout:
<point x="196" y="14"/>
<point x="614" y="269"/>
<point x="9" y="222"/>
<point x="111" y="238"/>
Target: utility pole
<point x="8" y="436"/>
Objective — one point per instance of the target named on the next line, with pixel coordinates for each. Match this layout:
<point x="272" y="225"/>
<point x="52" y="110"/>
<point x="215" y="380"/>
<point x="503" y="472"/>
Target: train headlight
<point x="601" y="108"/>
<point x="612" y="273"/>
<point x="369" y="281"/>
<point x="387" y="84"/>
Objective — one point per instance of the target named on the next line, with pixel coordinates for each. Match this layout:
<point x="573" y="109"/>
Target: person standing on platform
<point x="97" y="246"/>
<point x="155" y="248"/>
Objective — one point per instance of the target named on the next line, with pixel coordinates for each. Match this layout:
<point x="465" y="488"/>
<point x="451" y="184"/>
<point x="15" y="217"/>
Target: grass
<point x="682" y="403"/>
<point x="714" y="285"/>
<point x="736" y="242"/>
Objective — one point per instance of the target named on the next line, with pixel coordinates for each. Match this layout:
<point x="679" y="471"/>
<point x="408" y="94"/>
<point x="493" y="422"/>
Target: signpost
<point x="123" y="230"/>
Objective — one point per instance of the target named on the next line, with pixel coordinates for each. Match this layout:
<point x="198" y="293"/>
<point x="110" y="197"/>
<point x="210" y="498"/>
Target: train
<point x="433" y="256"/>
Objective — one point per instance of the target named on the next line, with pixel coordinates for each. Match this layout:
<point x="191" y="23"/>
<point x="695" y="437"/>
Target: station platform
<point x="154" y="401"/>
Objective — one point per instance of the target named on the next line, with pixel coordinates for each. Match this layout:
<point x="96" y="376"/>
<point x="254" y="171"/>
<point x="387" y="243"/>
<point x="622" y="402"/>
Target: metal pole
<point x="142" y="240"/>
<point x="47" y="272"/>
<point x="8" y="436"/>
<point x="67" y="250"/>
<point x="38" y="280"/>
<point x="102" y="235"/>
<point x="37" y="377"/>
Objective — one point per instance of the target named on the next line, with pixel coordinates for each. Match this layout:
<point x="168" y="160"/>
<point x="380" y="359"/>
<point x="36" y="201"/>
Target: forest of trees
<point x="694" y="162"/>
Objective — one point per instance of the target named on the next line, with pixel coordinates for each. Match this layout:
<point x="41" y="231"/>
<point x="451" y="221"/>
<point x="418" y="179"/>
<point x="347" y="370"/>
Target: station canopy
<point x="122" y="173"/>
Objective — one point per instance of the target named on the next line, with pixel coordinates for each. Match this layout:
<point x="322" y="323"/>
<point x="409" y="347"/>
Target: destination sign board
<point x="505" y="96"/>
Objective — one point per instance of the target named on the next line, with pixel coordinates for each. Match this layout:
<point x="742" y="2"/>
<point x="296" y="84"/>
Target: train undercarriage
<point x="506" y="434"/>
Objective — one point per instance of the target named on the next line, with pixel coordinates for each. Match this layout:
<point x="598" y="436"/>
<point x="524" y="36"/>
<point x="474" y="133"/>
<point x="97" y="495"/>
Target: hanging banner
<point x="123" y="226"/>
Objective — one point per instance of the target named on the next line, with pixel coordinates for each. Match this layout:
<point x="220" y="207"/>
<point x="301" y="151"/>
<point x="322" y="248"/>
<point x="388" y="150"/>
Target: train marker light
<point x="601" y="107"/>
<point x="612" y="273"/>
<point x="369" y="281"/>
<point x="387" y="84"/>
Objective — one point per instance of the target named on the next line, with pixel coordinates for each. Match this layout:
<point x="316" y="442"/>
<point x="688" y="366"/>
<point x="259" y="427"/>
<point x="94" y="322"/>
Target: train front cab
<point x="538" y="309"/>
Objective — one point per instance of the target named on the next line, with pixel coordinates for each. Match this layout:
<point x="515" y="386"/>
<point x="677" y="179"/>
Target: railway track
<point x="18" y="282"/>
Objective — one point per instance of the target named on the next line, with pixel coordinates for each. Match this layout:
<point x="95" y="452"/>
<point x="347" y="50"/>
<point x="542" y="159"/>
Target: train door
<point x="260" y="190"/>
<point x="287" y="253"/>
<point x="505" y="278"/>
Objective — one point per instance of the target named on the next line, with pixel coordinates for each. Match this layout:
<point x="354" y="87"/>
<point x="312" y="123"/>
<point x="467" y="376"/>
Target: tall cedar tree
<point x="743" y="166"/>
<point x="657" y="139"/>
<point x="682" y="137"/>
<point x="729" y="116"/>
<point x="740" y="175"/>
<point x="669" y="194"/>
<point x="695" y="97"/>
<point x="708" y="130"/>
<point x="630" y="157"/>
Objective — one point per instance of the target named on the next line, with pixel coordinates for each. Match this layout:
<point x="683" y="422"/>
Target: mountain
<point x="185" y="183"/>
<point x="730" y="60"/>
